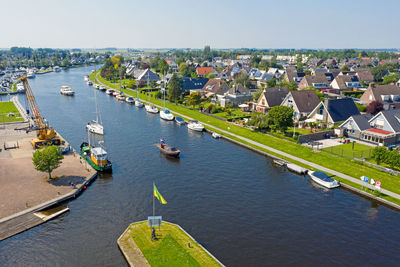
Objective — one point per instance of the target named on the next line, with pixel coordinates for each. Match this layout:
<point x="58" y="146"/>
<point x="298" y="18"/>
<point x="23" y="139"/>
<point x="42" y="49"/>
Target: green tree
<point x="393" y="159"/>
<point x="47" y="159"/>
<point x="243" y="79"/>
<point x="345" y="68"/>
<point x="292" y="86"/>
<point x="271" y="83"/>
<point x="258" y="120"/>
<point x="175" y="87"/>
<point x="257" y="94"/>
<point x="210" y="75"/>
<point x="391" y="78"/>
<point x="378" y="72"/>
<point x="194" y="99"/>
<point x="184" y="69"/>
<point x="163" y="66"/>
<point x="280" y="117"/>
<point x="379" y="153"/>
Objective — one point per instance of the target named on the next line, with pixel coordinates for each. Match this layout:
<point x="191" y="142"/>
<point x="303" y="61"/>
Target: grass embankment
<point x="43" y="71"/>
<point x="347" y="150"/>
<point x="171" y="248"/>
<point x="325" y="159"/>
<point x="6" y="108"/>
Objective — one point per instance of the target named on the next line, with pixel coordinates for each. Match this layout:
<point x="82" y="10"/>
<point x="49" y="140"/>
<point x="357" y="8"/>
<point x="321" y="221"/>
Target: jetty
<point x="173" y="246"/>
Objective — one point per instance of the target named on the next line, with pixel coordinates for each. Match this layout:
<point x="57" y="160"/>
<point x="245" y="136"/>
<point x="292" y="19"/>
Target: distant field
<point x="6" y="108"/>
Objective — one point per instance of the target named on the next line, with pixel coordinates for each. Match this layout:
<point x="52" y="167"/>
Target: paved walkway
<point x="319" y="167"/>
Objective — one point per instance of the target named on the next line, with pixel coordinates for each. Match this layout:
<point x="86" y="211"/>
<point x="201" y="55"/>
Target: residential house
<point x="271" y="97"/>
<point x="302" y="102"/>
<point x="355" y="125"/>
<point x="364" y="75"/>
<point x="398" y="83"/>
<point x="235" y="96"/>
<point x="332" y="111"/>
<point x="193" y="85"/>
<point x="387" y="94"/>
<point x="213" y="86"/>
<point x="144" y="76"/>
<point x="315" y="62"/>
<point x="345" y="82"/>
<point x="319" y="81"/>
<point x="172" y="65"/>
<point x="382" y="129"/>
<point x="276" y="72"/>
<point x="292" y="75"/>
<point x="202" y="71"/>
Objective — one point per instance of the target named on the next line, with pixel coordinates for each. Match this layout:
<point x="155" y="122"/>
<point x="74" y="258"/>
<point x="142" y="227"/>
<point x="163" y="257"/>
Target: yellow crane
<point x="46" y="135"/>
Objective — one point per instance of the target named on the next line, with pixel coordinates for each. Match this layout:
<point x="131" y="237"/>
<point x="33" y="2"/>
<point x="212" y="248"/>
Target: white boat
<point x="216" y="135"/>
<point x="151" y="109"/>
<point x="120" y="97"/>
<point x="86" y="78"/>
<point x="323" y="179"/>
<point x="110" y="92"/>
<point x="90" y="83"/>
<point x="57" y="69"/>
<point x="166" y="115"/>
<point x="195" y="126"/>
<point x="95" y="126"/>
<point x="66" y="90"/>
<point x="96" y="86"/>
<point x="138" y="103"/>
<point x="130" y="100"/>
<point x="31" y="74"/>
<point x="20" y="88"/>
<point x="102" y="88"/>
<point x="179" y="120"/>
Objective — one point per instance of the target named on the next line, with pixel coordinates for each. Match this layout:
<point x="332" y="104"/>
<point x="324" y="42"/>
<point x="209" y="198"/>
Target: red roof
<point x="379" y="131"/>
<point x="203" y="70"/>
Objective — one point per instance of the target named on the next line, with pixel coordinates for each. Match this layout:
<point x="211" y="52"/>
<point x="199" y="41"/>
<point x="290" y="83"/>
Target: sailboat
<point x="149" y="107"/>
<point x="165" y="114"/>
<point x="95" y="126"/>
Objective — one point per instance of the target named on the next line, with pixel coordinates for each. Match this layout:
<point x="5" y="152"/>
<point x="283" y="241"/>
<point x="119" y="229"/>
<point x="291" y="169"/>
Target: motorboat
<point x="115" y="93"/>
<point x="90" y="83"/>
<point x="166" y="115"/>
<point x="95" y="127"/>
<point x="195" y="126"/>
<point x="66" y="90"/>
<point x="110" y="92"/>
<point x="179" y="120"/>
<point x="138" y="103"/>
<point x="96" y="156"/>
<point x="216" y="135"/>
<point x="120" y="97"/>
<point x="96" y="86"/>
<point x="31" y="74"/>
<point x="168" y="150"/>
<point x="323" y="179"/>
<point x="20" y="88"/>
<point x="151" y="109"/>
<point x="102" y="88"/>
<point x="57" y="69"/>
<point x="86" y="78"/>
<point x="279" y="162"/>
<point x="130" y="100"/>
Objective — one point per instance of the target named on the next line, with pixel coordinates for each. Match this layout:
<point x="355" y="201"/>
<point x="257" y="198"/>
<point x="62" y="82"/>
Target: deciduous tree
<point x="47" y="159"/>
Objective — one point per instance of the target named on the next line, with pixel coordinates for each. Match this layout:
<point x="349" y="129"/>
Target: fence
<point x="349" y="154"/>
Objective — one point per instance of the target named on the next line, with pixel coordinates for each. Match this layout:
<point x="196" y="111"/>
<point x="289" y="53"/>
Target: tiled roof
<point x="379" y="131"/>
<point x="306" y="100"/>
<point x="203" y="70"/>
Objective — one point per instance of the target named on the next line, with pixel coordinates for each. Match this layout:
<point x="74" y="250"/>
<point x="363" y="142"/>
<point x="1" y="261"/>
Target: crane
<point x="46" y="135"/>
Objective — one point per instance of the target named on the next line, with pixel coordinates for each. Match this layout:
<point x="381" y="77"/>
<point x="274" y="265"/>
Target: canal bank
<point x="356" y="185"/>
<point x="24" y="191"/>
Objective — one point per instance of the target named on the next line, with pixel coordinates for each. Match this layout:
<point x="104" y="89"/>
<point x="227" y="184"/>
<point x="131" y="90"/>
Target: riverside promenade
<point x="24" y="192"/>
<point x="246" y="141"/>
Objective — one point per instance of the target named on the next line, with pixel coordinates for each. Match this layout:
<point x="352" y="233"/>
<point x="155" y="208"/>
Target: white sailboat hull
<point x="95" y="127"/>
<point x="151" y="109"/>
<point x="166" y="116"/>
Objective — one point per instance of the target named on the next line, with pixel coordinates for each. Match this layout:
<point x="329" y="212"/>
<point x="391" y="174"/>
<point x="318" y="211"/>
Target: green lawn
<point x="328" y="160"/>
<point x="9" y="107"/>
<point x="347" y="151"/>
<point x="171" y="248"/>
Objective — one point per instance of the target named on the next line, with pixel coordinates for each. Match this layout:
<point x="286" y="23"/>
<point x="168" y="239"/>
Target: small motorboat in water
<point x="168" y="150"/>
<point x="90" y="83"/>
<point x="195" y="126"/>
<point x="138" y="103"/>
<point x="130" y="100"/>
<point x="110" y="92"/>
<point x="120" y="97"/>
<point x="179" y="120"/>
<point x="166" y="115"/>
<point x="66" y="90"/>
<point x="323" y="179"/>
<point x="216" y="135"/>
<point x="102" y="88"/>
<point x="151" y="109"/>
<point x="95" y="127"/>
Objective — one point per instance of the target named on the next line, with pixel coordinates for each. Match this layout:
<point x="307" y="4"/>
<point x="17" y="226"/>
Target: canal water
<point x="239" y="206"/>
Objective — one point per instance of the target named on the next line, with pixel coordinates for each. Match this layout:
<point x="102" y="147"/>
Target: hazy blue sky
<point x="218" y="23"/>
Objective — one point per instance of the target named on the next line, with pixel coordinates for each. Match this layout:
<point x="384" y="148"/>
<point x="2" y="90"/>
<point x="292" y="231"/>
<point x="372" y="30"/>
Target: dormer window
<point x="385" y="97"/>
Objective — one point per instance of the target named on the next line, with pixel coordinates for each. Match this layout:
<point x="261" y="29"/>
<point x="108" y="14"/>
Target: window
<point x="321" y="110"/>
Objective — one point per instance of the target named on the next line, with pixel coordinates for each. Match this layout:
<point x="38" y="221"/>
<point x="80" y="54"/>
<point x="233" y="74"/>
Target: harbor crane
<point x="45" y="135"/>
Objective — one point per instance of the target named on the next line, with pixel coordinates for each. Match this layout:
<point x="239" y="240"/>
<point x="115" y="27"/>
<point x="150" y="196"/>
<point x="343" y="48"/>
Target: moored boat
<point x="90" y="83"/>
<point x="179" y="120"/>
<point x="166" y="115"/>
<point x="102" y="88"/>
<point x="130" y="100"/>
<point x="138" y="103"/>
<point x="110" y="92"/>
<point x="216" y="135"/>
<point x="120" y="97"/>
<point x="97" y="157"/>
<point x="95" y="127"/>
<point x="195" y="126"/>
<point x="151" y="109"/>
<point x="86" y="78"/>
<point x="323" y="179"/>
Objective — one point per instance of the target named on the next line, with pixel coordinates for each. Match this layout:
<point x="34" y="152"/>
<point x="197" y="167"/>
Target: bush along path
<point x="345" y="170"/>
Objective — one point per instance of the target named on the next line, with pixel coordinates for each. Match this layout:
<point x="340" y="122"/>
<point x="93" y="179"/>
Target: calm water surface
<point x="233" y="201"/>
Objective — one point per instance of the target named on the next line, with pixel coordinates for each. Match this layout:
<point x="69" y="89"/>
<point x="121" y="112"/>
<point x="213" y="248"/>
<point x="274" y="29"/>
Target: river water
<point x="239" y="206"/>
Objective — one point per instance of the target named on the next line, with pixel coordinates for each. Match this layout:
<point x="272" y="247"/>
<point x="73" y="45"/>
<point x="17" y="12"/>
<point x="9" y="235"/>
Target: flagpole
<point x="153" y="201"/>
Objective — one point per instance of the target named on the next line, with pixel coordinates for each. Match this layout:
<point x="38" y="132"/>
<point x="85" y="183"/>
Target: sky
<point x="193" y="24"/>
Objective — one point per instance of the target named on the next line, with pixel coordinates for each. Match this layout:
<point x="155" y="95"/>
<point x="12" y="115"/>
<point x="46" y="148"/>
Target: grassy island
<point x="170" y="249"/>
